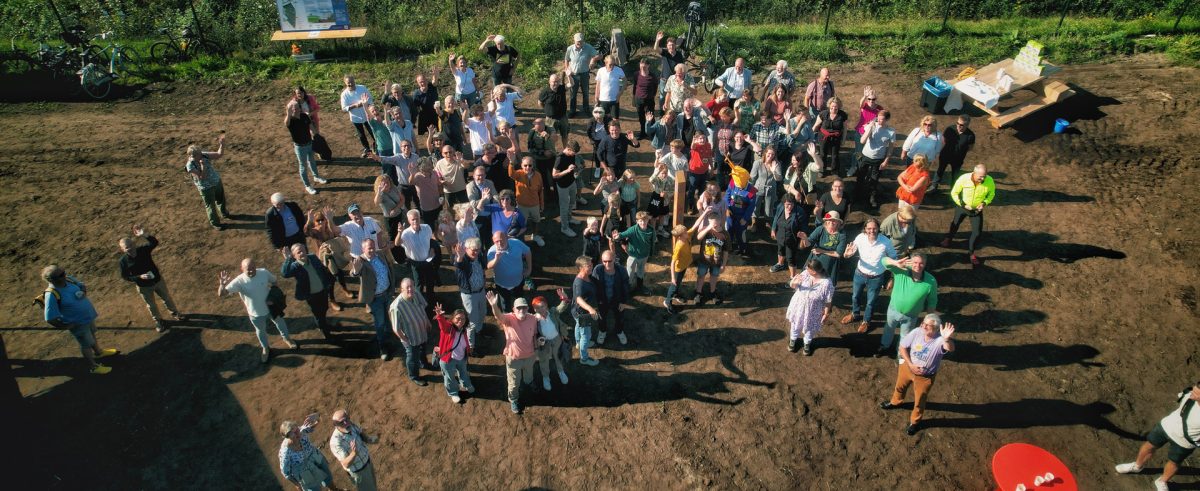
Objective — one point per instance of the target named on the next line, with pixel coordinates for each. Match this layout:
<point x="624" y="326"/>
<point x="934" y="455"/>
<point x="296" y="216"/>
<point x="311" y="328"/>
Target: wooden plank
<point x="329" y="34"/>
<point x="1020" y="111"/>
<point x="679" y="207"/>
<point x="1021" y="78"/>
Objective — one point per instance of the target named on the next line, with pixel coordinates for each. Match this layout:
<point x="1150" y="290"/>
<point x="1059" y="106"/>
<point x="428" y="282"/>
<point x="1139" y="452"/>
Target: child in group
<point x="681" y="260"/>
<point x="662" y="190"/>
<point x="640" y="241"/>
<point x="630" y="196"/>
<point x="447" y="232"/>
<point x="607" y="185"/>
<point x="593" y="240"/>
<point x="714" y="245"/>
<point x="465" y="228"/>
<point x="712" y="198"/>
<point x="699" y="167"/>
<point x="611" y="220"/>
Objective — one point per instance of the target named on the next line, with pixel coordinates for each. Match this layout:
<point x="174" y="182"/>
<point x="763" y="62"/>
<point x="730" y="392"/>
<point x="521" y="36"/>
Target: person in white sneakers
<point x="552" y="333"/>
<point x="1179" y="430"/>
<point x="254" y="287"/>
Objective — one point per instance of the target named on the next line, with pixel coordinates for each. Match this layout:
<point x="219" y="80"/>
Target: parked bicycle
<point x="187" y="46"/>
<point x="102" y="66"/>
<point x="708" y="60"/>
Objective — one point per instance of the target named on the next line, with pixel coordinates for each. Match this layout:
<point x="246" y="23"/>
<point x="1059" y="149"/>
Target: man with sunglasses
<point x="959" y="139"/>
<point x="349" y="446"/>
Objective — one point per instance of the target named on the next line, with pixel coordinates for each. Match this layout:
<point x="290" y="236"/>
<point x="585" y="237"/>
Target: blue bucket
<point x="1061" y="125"/>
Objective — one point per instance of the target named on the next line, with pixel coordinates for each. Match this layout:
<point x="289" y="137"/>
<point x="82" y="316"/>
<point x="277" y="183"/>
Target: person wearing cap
<point x="137" y="266"/>
<point x="354" y="99"/>
<point x="313" y="283"/>
<point x="520" y="345"/>
<point x="740" y="199"/>
<point x="66" y="305"/>
<point x="285" y="223"/>
<point x="597" y="131"/>
<point x="378" y="282"/>
<point x="609" y="79"/>
<point x="553" y="101"/>
<point x="302" y="128"/>
<point x="552" y="333"/>
<point x="359" y="229"/>
<point x="914" y="291"/>
<point x="577" y="64"/>
<point x="565" y="171"/>
<point x="511" y="263"/>
<point x="612" y="295"/>
<point x="901" y="228"/>
<point x="208" y="180"/>
<point x="411" y="324"/>
<point x="736" y="79"/>
<point x="921" y="353"/>
<point x="971" y="193"/>
<point x="254" y="288"/>
<point x="348" y="444"/>
<point x="871" y="249"/>
<point x="828" y="243"/>
<point x="1179" y="430"/>
<point x="504" y="58"/>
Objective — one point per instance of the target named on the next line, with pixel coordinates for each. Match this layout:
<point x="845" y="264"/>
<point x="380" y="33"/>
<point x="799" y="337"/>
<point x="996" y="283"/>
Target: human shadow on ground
<point x="173" y="382"/>
<point x="1032" y="246"/>
<point x="1021" y="357"/>
<point x="1025" y="197"/>
<point x="1084" y="105"/>
<point x="982" y="277"/>
<point x="1026" y="413"/>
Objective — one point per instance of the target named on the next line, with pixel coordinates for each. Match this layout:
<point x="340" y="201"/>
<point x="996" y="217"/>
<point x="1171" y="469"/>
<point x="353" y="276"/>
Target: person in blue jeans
<point x="584" y="308"/>
<point x="411" y="325"/>
<point x="871" y="249"/>
<point x="375" y="292"/>
<point x="453" y="349"/>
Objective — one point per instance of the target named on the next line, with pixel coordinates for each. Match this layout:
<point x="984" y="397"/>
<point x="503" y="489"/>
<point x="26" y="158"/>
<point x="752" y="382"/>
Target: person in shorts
<point x="1179" y="431"/>
<point x="714" y="253"/>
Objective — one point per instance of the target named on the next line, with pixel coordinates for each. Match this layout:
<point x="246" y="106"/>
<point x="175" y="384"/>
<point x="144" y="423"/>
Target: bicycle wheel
<point x="198" y="48"/>
<point x="165" y="53"/>
<point x="95" y="81"/>
<point x="127" y="61"/>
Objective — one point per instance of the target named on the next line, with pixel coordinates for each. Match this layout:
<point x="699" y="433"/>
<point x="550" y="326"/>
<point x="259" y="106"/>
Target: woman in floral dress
<point x="809" y="306"/>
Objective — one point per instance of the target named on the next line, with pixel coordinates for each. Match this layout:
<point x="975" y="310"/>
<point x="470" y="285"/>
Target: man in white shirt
<point x="415" y="239"/>
<point x="735" y="80"/>
<point x="608" y="87"/>
<point x="360" y="228"/>
<point x="1180" y="430"/>
<point x="354" y="99"/>
<point x="348" y="444"/>
<point x="869" y="273"/>
<point x="577" y="63"/>
<point x="254" y="286"/>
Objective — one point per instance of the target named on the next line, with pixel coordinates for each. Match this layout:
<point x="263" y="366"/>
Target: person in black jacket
<point x="313" y="282"/>
<point x="285" y="223"/>
<point x="788" y="229"/>
<point x="137" y="267"/>
<point x="612" y="291"/>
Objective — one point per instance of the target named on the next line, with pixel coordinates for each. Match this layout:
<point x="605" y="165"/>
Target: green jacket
<point x="967" y="194"/>
<point x="641" y="242"/>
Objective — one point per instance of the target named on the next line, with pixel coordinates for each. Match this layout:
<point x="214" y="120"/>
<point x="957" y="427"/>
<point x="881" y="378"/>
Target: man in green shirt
<point x="913" y="291"/>
<point x="971" y="193"/>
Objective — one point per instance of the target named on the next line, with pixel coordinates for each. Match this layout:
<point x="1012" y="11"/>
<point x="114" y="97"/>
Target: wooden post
<point x="458" y="17"/>
<point x="679" y="207"/>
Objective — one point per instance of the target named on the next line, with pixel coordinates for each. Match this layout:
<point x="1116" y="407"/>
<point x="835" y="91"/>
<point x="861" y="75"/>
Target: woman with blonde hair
<point x="913" y="182"/>
<point x="831" y="124"/>
<point x="925" y="140"/>
<point x="332" y="249"/>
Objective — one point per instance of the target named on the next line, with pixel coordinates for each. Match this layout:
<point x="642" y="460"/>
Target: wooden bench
<point x="1054" y="93"/>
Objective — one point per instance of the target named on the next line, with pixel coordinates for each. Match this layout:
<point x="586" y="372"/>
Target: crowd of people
<point x="463" y="185"/>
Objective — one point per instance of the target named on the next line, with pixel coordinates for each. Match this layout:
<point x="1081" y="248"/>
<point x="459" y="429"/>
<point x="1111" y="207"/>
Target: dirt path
<point x="1073" y="337"/>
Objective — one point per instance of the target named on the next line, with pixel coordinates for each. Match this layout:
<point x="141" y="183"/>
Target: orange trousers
<point x="920" y="384"/>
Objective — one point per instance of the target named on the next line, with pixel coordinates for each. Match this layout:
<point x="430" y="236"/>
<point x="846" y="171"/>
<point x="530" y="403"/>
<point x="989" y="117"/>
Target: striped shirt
<point x="408" y="315"/>
<point x="339" y="444"/>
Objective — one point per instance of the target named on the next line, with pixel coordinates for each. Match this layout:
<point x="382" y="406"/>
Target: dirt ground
<point x="1074" y="336"/>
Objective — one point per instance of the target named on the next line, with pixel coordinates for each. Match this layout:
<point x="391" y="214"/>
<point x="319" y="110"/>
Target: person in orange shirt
<point x="530" y="199"/>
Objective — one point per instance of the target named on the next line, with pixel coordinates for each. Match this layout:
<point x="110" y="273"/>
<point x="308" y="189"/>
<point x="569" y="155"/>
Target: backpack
<point x="40" y="300"/>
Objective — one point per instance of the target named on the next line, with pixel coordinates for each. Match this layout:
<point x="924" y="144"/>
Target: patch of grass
<point x="1185" y="50"/>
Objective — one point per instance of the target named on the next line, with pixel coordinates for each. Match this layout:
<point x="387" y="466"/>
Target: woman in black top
<point x="834" y="200"/>
<point x="830" y="124"/>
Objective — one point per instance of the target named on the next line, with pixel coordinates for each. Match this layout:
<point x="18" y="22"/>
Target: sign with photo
<point x="312" y="15"/>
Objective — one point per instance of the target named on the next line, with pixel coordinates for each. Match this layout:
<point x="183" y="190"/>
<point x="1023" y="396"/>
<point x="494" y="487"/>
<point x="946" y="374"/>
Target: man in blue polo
<point x="511" y="262"/>
<point x="68" y="306"/>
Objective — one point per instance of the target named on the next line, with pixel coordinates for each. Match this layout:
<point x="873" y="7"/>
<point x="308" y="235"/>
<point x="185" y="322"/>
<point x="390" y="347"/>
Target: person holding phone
<point x="348" y="443"/>
<point x="300" y="462"/>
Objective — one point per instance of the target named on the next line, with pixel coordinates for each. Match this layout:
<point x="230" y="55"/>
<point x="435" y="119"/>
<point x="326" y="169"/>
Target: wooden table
<point x="1020" y="463"/>
<point x="326" y="34"/>
<point x="1052" y="93"/>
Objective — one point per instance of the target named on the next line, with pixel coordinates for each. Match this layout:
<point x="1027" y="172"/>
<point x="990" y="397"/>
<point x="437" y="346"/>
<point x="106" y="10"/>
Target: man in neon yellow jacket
<point x="971" y="194"/>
